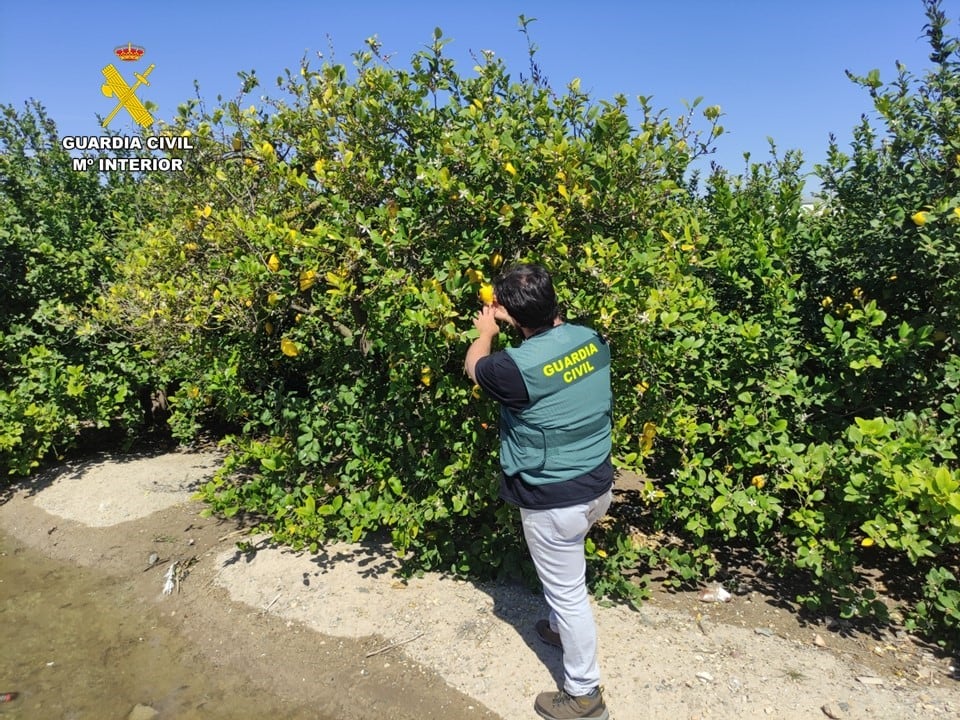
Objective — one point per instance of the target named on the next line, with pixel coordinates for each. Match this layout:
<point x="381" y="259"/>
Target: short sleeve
<point x="499" y="376"/>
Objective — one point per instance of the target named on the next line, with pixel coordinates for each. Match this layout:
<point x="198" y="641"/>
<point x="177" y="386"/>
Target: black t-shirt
<point x="500" y="378"/>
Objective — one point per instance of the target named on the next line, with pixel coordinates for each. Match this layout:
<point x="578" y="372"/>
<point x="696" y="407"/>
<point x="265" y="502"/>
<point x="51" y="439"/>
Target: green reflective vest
<point x="565" y="431"/>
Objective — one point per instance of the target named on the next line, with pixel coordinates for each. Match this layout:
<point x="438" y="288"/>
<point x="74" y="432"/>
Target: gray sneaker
<point x="550" y="637"/>
<point x="561" y="706"/>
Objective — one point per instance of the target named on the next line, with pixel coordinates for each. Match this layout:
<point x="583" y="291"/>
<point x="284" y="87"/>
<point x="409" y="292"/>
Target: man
<point x="555" y="408"/>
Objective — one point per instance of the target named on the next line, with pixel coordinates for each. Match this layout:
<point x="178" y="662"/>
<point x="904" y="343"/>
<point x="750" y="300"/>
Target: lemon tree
<point x="309" y="283"/>
<point x="60" y="236"/>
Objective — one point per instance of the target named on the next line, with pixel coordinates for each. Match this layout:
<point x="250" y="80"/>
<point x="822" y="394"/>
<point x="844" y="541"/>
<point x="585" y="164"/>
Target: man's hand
<point x="501" y="314"/>
<point x="486" y="321"/>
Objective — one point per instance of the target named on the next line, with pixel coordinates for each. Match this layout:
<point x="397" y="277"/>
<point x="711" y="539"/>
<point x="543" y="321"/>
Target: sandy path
<point x="479" y="637"/>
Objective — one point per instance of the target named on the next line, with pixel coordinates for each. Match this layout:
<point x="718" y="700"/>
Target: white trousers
<point x="555" y="539"/>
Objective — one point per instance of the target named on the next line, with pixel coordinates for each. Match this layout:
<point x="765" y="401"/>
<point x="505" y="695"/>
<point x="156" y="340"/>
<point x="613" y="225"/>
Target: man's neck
<point x="528" y="332"/>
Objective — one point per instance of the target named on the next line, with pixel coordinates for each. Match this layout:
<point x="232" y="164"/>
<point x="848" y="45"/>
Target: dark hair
<point x="526" y="292"/>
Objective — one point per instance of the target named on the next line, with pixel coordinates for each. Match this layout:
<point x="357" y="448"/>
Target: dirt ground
<point x="340" y="633"/>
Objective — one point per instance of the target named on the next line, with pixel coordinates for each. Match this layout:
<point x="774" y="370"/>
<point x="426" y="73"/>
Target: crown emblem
<point x="129" y="53"/>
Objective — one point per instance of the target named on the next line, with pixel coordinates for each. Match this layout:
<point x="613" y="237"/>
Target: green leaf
<point x="395" y="486"/>
<point x="872" y="428"/>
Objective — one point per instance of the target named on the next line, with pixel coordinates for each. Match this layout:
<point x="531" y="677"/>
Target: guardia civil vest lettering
<point x="565" y="431"/>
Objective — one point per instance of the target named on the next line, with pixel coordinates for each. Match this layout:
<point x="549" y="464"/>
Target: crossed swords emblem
<point x="126" y="95"/>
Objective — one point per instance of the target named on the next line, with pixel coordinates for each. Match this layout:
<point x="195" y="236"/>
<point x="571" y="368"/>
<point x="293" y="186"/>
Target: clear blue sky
<point x="776" y="67"/>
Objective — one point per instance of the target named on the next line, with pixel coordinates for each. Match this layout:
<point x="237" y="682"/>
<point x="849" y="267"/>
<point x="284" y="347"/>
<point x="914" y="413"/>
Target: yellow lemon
<point x="425" y="376"/>
<point x="956" y="211"/>
<point x="510" y="168"/>
<point x="474" y="276"/>
<point x="273" y="298"/>
<point x="273" y="263"/>
<point x="827" y="301"/>
<point x="486" y="294"/>
<point x="758" y="481"/>
<point x="237" y="143"/>
<point x="867" y="542"/>
<point x="307" y="279"/>
<point x="919" y="218"/>
<point x="267" y="150"/>
<point x="496" y="260"/>
<point x="476" y="392"/>
<point x="289" y="348"/>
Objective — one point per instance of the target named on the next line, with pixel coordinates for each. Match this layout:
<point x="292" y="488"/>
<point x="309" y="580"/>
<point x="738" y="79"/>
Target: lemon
<point x="307" y="279"/>
<point x="273" y="263"/>
<point x="496" y="260"/>
<point x="486" y="294"/>
<point x="758" y="481"/>
<point x="919" y="218"/>
<point x="289" y="348"/>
